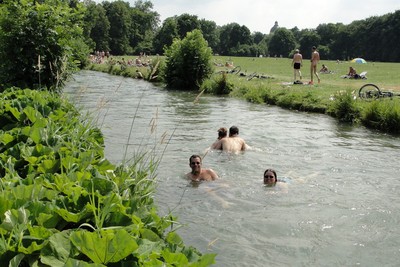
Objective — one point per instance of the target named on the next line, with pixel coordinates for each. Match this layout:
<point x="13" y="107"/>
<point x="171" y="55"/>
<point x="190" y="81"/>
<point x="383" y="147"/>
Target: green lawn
<point x="385" y="75"/>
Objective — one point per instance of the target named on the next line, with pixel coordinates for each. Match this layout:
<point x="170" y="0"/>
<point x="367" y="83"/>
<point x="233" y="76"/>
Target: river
<point x="341" y="203"/>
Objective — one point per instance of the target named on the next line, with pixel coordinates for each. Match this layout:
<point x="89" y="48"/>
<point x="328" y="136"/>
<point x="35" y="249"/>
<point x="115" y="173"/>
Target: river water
<point x="340" y="205"/>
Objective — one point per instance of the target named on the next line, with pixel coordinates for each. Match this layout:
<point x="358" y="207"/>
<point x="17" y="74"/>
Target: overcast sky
<point x="260" y="15"/>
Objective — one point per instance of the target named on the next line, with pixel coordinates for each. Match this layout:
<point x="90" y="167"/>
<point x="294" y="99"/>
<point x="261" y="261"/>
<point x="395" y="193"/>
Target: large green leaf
<point x="104" y="246"/>
<point x="13" y="111"/>
<point x="175" y="259"/>
<point x="14" y="262"/>
<point x="6" y="138"/>
<point x="14" y="218"/>
<point x="148" y="248"/>
<point x="57" y="251"/>
<point x="32" y="114"/>
<point x="149" y="234"/>
<point x="69" y="216"/>
<point x="49" y="166"/>
<point x="78" y="263"/>
<point x="174" y="238"/>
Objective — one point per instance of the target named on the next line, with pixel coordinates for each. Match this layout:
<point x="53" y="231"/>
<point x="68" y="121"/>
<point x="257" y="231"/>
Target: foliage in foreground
<point x="63" y="204"/>
<point x="187" y="62"/>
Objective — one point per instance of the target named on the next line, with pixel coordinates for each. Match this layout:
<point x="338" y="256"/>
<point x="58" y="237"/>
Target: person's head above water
<point x="233" y="131"/>
<point x="270" y="177"/>
<point x="222" y="132"/>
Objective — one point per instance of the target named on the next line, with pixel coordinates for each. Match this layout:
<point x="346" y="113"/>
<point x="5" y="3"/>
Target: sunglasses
<point x="195" y="163"/>
<point x="269" y="176"/>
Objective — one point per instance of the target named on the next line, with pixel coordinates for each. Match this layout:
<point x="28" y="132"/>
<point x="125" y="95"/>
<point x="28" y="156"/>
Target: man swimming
<point x="198" y="173"/>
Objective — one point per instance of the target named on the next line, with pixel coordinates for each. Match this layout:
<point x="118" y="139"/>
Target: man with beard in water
<point x="198" y="173"/>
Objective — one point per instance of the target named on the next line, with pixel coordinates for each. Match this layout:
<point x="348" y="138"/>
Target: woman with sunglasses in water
<point x="271" y="180"/>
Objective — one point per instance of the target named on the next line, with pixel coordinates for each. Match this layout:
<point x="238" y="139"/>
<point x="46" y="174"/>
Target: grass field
<point x="385" y="75"/>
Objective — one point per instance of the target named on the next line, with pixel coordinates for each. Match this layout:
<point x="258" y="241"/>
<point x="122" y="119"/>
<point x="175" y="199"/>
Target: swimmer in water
<point x="198" y="173"/>
<point x="271" y="180"/>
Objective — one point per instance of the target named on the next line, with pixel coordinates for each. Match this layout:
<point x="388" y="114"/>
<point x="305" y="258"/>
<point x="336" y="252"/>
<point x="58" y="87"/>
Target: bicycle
<point x="259" y="76"/>
<point x="236" y="70"/>
<point x="370" y="90"/>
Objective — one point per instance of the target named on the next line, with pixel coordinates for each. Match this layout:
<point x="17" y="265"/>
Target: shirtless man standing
<point x="297" y="62"/>
<point x="233" y="143"/>
<point x="198" y="174"/>
<point x="314" y="63"/>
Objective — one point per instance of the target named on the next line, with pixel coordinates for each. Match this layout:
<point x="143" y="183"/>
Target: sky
<point x="260" y="15"/>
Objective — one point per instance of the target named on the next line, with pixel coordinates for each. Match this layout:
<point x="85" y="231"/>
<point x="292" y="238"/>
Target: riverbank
<point x="270" y="81"/>
<point x="65" y="204"/>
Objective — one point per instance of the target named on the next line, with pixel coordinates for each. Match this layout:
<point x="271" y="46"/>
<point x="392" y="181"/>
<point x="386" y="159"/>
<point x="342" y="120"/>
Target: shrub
<point x="63" y="204"/>
<point x="188" y="62"/>
<point x="218" y="85"/>
<point x="40" y="43"/>
<point x="383" y="115"/>
<point x="344" y="107"/>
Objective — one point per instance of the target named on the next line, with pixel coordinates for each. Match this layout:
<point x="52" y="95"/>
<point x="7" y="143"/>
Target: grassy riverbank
<point x="335" y="96"/>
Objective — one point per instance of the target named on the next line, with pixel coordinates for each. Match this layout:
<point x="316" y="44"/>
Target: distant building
<point x="276" y="26"/>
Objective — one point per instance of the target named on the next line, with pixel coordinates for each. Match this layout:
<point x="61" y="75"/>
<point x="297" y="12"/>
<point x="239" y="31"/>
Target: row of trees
<point x="122" y="29"/>
<point x="42" y="41"/>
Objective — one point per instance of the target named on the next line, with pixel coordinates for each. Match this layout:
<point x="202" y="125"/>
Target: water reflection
<point x="342" y="202"/>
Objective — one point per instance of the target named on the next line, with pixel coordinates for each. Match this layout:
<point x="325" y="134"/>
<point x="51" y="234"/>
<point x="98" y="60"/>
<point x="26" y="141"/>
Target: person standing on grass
<point x="297" y="62"/>
<point x="314" y="63"/>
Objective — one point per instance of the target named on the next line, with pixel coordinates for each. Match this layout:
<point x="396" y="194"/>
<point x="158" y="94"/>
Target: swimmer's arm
<point x="213" y="174"/>
<point x="217" y="145"/>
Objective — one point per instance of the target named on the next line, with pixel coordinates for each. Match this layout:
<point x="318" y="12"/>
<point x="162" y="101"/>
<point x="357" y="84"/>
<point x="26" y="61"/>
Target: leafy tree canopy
<point x="188" y="62"/>
<point x="40" y="42"/>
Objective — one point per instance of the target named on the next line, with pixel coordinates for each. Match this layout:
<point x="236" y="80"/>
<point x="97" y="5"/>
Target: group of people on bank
<point x="297" y="63"/>
<point x="230" y="143"/>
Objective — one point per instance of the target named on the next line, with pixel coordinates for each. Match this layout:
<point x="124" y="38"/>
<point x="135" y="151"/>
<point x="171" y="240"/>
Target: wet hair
<point x="222" y="132"/>
<point x="233" y="130"/>
<point x="193" y="157"/>
<point x="314" y="48"/>
<point x="273" y="171"/>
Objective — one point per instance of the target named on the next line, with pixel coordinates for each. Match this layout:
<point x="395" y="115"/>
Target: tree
<point x="257" y="37"/>
<point x="188" y="62"/>
<point x="186" y="23"/>
<point x="341" y="46"/>
<point x="210" y="33"/>
<point x="41" y="44"/>
<point x="165" y="35"/>
<point x="143" y="26"/>
<point x="282" y="42"/>
<point x="97" y="27"/>
<point x="118" y="13"/>
<point x="309" y="39"/>
<point x="232" y="36"/>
